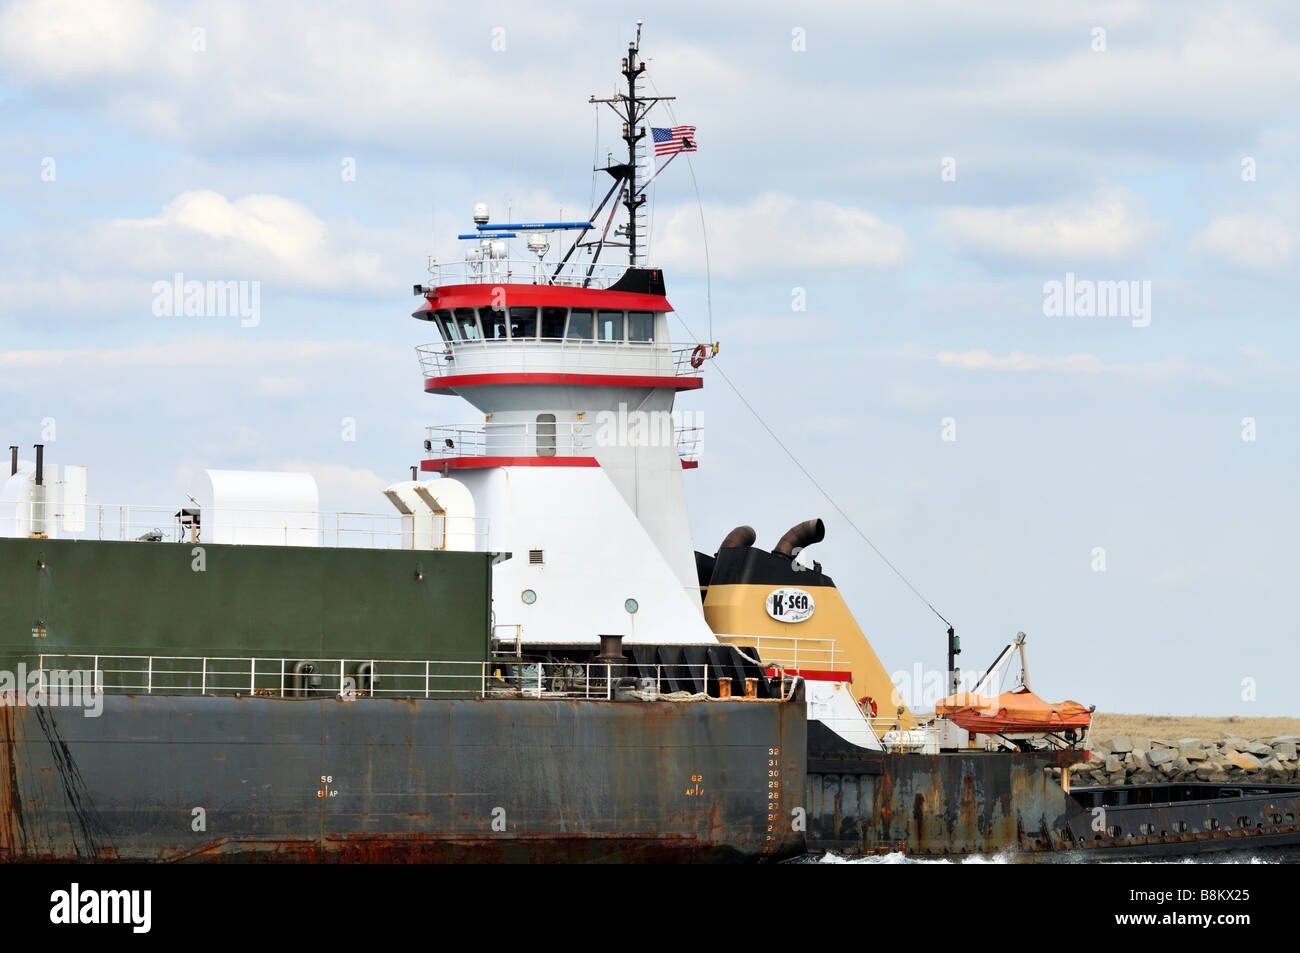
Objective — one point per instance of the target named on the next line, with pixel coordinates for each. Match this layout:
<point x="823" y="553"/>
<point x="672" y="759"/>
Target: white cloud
<point x="1249" y="242"/>
<point x="279" y="388"/>
<point x="1110" y="226"/>
<point x="284" y="72"/>
<point x="63" y="42"/>
<point x="775" y="230"/>
<point x="1080" y="364"/>
<point x="205" y="236"/>
<point x="1172" y="64"/>
<point x="198" y="351"/>
<point x="338" y="484"/>
<point x="250" y="236"/>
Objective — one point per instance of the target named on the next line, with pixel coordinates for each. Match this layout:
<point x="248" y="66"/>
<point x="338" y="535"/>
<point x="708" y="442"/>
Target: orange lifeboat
<point x="1018" y="712"/>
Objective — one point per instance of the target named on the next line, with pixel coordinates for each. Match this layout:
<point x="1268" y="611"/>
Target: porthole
<point x="631" y="605"/>
<point x="528" y="596"/>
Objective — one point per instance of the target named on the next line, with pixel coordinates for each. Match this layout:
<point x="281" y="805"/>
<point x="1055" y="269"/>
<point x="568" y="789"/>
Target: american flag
<point x="676" y="139"/>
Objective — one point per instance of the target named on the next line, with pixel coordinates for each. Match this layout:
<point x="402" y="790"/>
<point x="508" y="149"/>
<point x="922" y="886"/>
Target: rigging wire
<point x="708" y="284"/>
<point x="708" y="271"/>
<point x="820" y="489"/>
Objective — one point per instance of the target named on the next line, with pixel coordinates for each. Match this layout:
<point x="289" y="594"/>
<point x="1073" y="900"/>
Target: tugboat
<point x="513" y="666"/>
<point x="528" y="660"/>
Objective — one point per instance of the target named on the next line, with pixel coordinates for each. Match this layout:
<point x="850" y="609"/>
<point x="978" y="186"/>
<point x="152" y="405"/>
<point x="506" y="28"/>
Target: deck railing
<point x="571" y="356"/>
<point x="525" y="271"/>
<point x="393" y="678"/>
<point x="525" y="438"/>
<point x="173" y="524"/>
<point x="796" y="653"/>
<point x="564" y="438"/>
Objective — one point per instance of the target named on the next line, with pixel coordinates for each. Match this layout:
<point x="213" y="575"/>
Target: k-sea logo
<point x="789" y="605"/>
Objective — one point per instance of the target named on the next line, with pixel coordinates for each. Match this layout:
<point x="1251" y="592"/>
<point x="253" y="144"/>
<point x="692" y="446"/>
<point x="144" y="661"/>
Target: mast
<point x="632" y="108"/>
<point x="632" y="135"/>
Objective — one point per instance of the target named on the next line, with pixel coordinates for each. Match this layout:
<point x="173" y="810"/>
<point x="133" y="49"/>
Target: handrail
<point x="525" y="271"/>
<point x="395" y="678"/>
<point x="572" y="355"/>
<point x="153" y="523"/>
<point x="559" y="438"/>
<point x="797" y="652"/>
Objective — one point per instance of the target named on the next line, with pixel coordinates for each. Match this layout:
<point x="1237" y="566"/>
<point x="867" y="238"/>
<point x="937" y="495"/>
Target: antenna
<point x="632" y="108"/>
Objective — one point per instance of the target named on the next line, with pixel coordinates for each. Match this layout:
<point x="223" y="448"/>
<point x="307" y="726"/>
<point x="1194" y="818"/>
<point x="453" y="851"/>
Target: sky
<point x="887" y="194"/>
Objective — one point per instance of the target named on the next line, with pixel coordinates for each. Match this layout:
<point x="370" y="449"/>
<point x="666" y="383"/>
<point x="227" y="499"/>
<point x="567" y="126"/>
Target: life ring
<point x="697" y="356"/>
<point x="869" y="703"/>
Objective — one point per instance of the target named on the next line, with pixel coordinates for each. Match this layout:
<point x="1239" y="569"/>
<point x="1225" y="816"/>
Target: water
<point x="1281" y="855"/>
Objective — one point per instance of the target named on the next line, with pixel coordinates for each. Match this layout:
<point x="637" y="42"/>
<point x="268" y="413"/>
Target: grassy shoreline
<point x="1173" y="727"/>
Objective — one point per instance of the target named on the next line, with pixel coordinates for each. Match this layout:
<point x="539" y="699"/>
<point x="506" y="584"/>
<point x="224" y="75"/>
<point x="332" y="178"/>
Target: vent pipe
<point x="40" y="464"/>
<point x="13" y="460"/>
<point x="739" y="538"/>
<point x="800" y="535"/>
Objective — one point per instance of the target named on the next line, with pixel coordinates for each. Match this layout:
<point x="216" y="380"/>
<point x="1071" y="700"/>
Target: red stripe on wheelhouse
<point x="495" y="294"/>
<point x="477" y="463"/>
<point x="452" y="381"/>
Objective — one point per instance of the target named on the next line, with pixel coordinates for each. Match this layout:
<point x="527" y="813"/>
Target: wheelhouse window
<point x="609" y="325"/>
<point x="467" y="323"/>
<point x="640" y="326"/>
<point x="446" y="324"/>
<point x="496" y="323"/>
<point x="580" y="323"/>
<point x="523" y="323"/>
<point x="553" y="322"/>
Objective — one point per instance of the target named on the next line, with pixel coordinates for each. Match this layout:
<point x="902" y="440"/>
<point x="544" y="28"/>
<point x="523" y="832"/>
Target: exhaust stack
<point x="38" y="510"/>
<point x="739" y="538"/>
<point x="800" y="535"/>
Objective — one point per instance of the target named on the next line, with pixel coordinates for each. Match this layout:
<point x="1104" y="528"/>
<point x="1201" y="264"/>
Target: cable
<point x="708" y="285"/>
<point x="822" y="490"/>
<point x="708" y="271"/>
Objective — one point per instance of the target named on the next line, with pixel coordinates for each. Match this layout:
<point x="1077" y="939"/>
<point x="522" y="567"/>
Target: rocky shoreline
<point x="1121" y="759"/>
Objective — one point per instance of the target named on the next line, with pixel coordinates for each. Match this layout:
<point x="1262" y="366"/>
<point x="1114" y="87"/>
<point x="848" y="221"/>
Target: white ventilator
<point x="436" y="514"/>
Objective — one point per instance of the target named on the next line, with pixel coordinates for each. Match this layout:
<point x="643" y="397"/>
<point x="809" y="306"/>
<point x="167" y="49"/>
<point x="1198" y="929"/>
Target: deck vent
<point x="536" y="557"/>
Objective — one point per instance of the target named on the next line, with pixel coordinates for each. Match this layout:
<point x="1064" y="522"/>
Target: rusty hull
<point x="976" y="802"/>
<point x="250" y="779"/>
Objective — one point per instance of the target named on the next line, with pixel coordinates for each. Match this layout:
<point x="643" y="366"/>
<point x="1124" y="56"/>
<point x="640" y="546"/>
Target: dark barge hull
<point x="976" y="802"/>
<point x="398" y="780"/>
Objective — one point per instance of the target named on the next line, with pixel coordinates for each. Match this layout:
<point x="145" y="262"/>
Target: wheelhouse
<point x="547" y="323"/>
